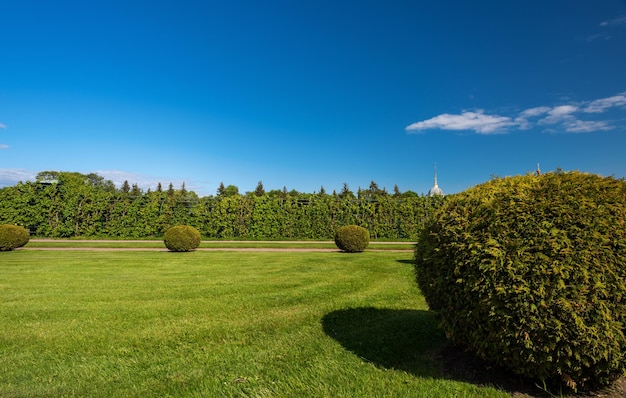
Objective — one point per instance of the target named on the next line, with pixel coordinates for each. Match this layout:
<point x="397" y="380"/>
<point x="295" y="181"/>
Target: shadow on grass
<point x="399" y="339"/>
<point x="411" y="341"/>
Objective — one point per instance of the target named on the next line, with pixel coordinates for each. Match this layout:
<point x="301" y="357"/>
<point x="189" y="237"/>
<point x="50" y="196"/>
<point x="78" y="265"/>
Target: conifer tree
<point x="259" y="191"/>
<point x="125" y="187"/>
<point x="374" y="188"/>
<point x="345" y="191"/>
<point x="221" y="190"/>
<point x="135" y="191"/>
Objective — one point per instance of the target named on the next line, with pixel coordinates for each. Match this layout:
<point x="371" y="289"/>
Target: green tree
<point x="231" y="190"/>
<point x="346" y="192"/>
<point x="221" y="190"/>
<point x="47" y="176"/>
<point x="259" y="191"/>
<point x="135" y="191"/>
<point x="396" y="191"/>
<point x="125" y="187"/>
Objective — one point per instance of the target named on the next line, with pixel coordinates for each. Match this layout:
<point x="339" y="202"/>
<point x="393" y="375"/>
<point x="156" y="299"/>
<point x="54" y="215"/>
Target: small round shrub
<point x="352" y="238"/>
<point x="182" y="238"/>
<point x="12" y="237"/>
<point x="529" y="272"/>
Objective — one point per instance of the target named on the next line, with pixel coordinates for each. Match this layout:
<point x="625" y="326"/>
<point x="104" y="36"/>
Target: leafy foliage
<point x="530" y="272"/>
<point x="12" y="237"/>
<point x="182" y="238"/>
<point x="63" y="204"/>
<point x="352" y="238"/>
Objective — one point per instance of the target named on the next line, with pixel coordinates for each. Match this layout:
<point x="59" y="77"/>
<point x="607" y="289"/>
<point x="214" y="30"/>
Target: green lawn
<point x="217" y="324"/>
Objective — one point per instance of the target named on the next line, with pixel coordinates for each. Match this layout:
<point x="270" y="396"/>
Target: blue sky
<point x="304" y="94"/>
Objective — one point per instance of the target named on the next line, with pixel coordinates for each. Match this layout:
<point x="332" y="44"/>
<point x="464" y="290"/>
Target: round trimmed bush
<point x="12" y="237"/>
<point x="352" y="238"/>
<point x="529" y="272"/>
<point x="182" y="238"/>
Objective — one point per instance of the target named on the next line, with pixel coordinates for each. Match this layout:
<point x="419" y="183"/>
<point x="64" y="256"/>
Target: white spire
<point x="435" y="190"/>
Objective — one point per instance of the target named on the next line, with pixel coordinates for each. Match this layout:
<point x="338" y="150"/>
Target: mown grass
<point x="217" y="324"/>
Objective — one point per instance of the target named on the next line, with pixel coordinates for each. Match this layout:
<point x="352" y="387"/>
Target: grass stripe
<point x="217" y="324"/>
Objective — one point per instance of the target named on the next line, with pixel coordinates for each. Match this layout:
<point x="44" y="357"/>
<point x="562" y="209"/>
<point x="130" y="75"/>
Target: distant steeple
<point x="435" y="190"/>
<point x="538" y="170"/>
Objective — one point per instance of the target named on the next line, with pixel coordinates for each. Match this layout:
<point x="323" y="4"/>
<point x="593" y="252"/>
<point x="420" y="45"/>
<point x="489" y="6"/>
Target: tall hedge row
<point x="76" y="208"/>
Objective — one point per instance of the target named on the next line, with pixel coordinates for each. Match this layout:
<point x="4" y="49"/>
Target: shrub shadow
<point x="411" y="341"/>
<point x="398" y="339"/>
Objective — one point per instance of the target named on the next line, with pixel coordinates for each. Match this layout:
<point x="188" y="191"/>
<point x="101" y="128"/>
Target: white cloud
<point x="9" y="177"/>
<point x="522" y="120"/>
<point x="562" y="111"/>
<point x="615" y="21"/>
<point x="559" y="114"/>
<point x="599" y="36"/>
<point x="144" y="182"/>
<point x="563" y="118"/>
<point x="602" y="104"/>
<point x="532" y="112"/>
<point x="3" y="126"/>
<point x="582" y="126"/>
<point x="607" y="25"/>
<point x="476" y="121"/>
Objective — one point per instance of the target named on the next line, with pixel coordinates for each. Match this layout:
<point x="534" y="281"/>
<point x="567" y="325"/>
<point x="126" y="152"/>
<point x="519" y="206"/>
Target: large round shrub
<point x="352" y="238"/>
<point x="12" y="237"/>
<point x="529" y="272"/>
<point x="182" y="238"/>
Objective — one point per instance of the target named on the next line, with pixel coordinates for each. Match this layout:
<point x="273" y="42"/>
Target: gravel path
<point x="243" y="249"/>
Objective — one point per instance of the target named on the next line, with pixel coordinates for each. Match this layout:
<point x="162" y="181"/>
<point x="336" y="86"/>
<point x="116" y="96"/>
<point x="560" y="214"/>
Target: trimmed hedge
<point x="182" y="238"/>
<point x="352" y="238"/>
<point x="12" y="237"/>
<point x="529" y="272"/>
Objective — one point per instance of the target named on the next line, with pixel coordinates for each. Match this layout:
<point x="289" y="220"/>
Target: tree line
<point x="67" y="204"/>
